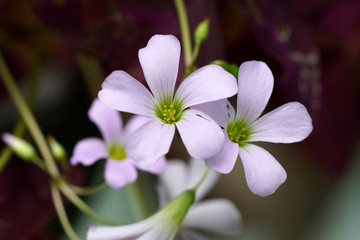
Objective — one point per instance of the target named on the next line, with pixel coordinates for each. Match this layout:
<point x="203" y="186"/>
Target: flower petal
<point x="287" y="124"/>
<point x="206" y="84"/>
<point x="256" y="83"/>
<point x="202" y="136"/>
<point x="160" y="62"/>
<point x="149" y="142"/>
<point x="263" y="173"/>
<point x="126" y="232"/>
<point x="87" y="151"/>
<point x="107" y="120"/>
<point x="133" y="124"/>
<point x="157" y="168"/>
<point x="221" y="110"/>
<point x="224" y="161"/>
<point x="173" y="178"/>
<point x="122" y="92"/>
<point x="216" y="215"/>
<point x="119" y="173"/>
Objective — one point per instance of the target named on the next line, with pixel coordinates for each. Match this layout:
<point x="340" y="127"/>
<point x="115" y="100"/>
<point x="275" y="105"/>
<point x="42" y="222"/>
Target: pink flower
<point x="165" y="109"/>
<point x="287" y="124"/>
<point x="119" y="168"/>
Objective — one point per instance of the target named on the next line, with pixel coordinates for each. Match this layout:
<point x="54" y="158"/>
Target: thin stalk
<point x="60" y="210"/>
<point x="137" y="201"/>
<point x="185" y="31"/>
<point x="27" y="117"/>
<point x="20" y="128"/>
<point x="202" y="179"/>
<point x="195" y="53"/>
<point x="83" y="191"/>
<point x="80" y="204"/>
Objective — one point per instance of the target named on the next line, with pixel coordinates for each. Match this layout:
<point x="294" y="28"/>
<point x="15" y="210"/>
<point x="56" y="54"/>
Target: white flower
<point x="218" y="216"/>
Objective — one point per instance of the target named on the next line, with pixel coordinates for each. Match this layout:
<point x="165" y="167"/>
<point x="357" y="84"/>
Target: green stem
<point x="80" y="204"/>
<point x="20" y="128"/>
<point x="195" y="53"/>
<point x="83" y="191"/>
<point x="185" y="31"/>
<point x="59" y="207"/>
<point x="27" y="117"/>
<point x="137" y="200"/>
<point x="202" y="179"/>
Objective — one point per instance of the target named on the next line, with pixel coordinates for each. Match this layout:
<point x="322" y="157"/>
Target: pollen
<point x="238" y="132"/>
<point x="169" y="114"/>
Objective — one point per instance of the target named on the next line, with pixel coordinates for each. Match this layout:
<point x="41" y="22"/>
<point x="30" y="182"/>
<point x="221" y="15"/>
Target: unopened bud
<point x="201" y="31"/>
<point x="20" y="147"/>
<point x="57" y="149"/>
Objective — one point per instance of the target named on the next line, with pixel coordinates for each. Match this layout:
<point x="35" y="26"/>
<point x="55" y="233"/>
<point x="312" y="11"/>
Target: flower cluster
<point x="209" y="127"/>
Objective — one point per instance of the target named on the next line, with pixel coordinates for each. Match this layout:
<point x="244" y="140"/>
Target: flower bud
<point x="201" y="31"/>
<point x="57" y="149"/>
<point x="20" y="147"/>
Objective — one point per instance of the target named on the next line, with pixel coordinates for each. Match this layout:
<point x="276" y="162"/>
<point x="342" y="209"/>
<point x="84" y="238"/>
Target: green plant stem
<point x="20" y="128"/>
<point x="80" y="204"/>
<point x="195" y="53"/>
<point x="83" y="191"/>
<point x="185" y="31"/>
<point x="59" y="207"/>
<point x="28" y="118"/>
<point x="202" y="179"/>
<point x="137" y="200"/>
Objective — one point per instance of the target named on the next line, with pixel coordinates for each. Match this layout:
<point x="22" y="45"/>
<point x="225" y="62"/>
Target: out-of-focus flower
<point x="287" y="124"/>
<point x="119" y="169"/>
<point x="160" y="60"/>
<point x="20" y="147"/>
<point x="218" y="216"/>
<point x="161" y="226"/>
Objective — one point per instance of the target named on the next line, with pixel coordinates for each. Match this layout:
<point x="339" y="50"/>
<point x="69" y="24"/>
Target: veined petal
<point x="202" y="136"/>
<point x="149" y="142"/>
<point x="133" y="124"/>
<point x="160" y="62"/>
<point x="126" y="232"/>
<point x="119" y="173"/>
<point x="122" y="92"/>
<point x="255" y="83"/>
<point x="157" y="168"/>
<point x="224" y="161"/>
<point x="216" y="215"/>
<point x="221" y="110"/>
<point x="107" y="120"/>
<point x="263" y="172"/>
<point x="206" y="84"/>
<point x="87" y="151"/>
<point x="286" y="124"/>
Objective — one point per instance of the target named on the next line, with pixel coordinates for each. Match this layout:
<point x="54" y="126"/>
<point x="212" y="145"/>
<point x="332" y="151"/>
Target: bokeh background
<point x="61" y="50"/>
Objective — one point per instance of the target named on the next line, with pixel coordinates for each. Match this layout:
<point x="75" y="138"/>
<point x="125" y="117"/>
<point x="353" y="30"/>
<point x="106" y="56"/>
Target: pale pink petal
<point x="107" y="120"/>
<point x="263" y="172"/>
<point x="221" y="110"/>
<point x="287" y="124"/>
<point x="216" y="215"/>
<point x="87" y="151"/>
<point x="224" y="161"/>
<point x="149" y="142"/>
<point x="202" y="136"/>
<point x="160" y="62"/>
<point x="255" y="87"/>
<point x="133" y="124"/>
<point x="124" y="93"/>
<point x="206" y="84"/>
<point x="119" y="173"/>
<point x="157" y="168"/>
